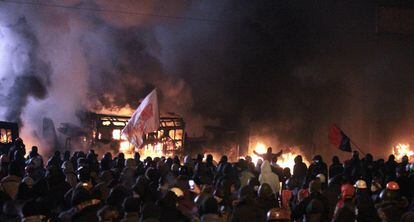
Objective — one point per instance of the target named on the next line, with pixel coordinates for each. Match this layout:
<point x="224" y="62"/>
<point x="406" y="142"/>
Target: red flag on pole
<point x="144" y="120"/>
<point x="338" y="138"/>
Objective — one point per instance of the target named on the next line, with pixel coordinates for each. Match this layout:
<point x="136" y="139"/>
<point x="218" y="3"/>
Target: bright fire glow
<point x="401" y="150"/>
<point x="287" y="158"/>
<point x="116" y="134"/>
<point x="127" y="148"/>
<point x="151" y="150"/>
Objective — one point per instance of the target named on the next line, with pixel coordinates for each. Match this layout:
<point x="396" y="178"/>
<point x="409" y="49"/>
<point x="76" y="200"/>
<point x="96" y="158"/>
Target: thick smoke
<point x="31" y="74"/>
<point x="283" y="69"/>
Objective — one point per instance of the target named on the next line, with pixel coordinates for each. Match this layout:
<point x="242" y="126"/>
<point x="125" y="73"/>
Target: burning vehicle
<point x="9" y="132"/>
<point x="105" y="133"/>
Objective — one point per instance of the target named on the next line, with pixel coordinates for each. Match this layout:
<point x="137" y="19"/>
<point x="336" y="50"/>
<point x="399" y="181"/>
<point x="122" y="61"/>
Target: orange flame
<point x="152" y="150"/>
<point x="401" y="150"/>
<point x="287" y="159"/>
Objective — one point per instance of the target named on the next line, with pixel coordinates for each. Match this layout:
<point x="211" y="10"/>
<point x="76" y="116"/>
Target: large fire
<point x="285" y="160"/>
<point x="401" y="150"/>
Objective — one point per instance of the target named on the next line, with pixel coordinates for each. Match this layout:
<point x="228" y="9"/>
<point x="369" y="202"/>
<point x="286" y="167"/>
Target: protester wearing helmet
<point x="363" y="203"/>
<point x="345" y="209"/>
<point x="301" y="210"/>
<point x="278" y="215"/>
<point x="392" y="204"/>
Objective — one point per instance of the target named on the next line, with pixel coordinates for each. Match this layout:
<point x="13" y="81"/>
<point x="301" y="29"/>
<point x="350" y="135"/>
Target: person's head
<point x="391" y="192"/>
<point x="33" y="208"/>
<point x="391" y="157"/>
<point x="265" y="191"/>
<point x="347" y="191"/>
<point x="209" y="158"/>
<point x="200" y="158"/>
<point x="246" y="193"/>
<point x="117" y="195"/>
<point x="404" y="159"/>
<point x="315" y="186"/>
<point x="322" y="178"/>
<point x="108" y="214"/>
<point x="169" y="200"/>
<point x="223" y="159"/>
<point x="355" y="155"/>
<point x="369" y="158"/>
<point x="150" y="212"/>
<point x="254" y="183"/>
<point x="34" y="150"/>
<point x="79" y="195"/>
<point x="335" y="160"/>
<point x="137" y="156"/>
<point x="209" y="206"/>
<point x="269" y="149"/>
<point x="298" y="159"/>
<point x="131" y="205"/>
<point x="317" y="159"/>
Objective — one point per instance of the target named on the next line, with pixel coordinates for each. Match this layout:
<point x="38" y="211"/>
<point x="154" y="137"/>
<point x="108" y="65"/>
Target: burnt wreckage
<point x="103" y="131"/>
<point x="9" y="132"/>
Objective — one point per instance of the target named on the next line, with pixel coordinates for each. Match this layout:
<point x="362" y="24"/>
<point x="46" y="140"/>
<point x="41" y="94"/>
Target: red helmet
<point x="347" y="190"/>
<point x="392" y="185"/>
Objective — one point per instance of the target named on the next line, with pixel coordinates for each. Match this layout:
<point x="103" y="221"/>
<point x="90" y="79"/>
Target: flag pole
<point x="356" y="146"/>
<point x="353" y="143"/>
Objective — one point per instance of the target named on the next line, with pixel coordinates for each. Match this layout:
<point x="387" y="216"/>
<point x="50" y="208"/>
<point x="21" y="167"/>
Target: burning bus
<point x="168" y="140"/>
<point x="9" y="132"/>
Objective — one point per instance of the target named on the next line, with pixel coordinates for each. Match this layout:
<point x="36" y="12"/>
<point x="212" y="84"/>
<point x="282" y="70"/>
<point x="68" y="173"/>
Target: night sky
<point x="281" y="69"/>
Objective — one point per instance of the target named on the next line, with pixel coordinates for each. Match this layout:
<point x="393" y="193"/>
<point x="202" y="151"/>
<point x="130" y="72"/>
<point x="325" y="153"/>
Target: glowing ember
<point x="401" y="150"/>
<point x="287" y="159"/>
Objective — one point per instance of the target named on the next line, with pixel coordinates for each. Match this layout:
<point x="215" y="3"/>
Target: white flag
<point x="144" y="120"/>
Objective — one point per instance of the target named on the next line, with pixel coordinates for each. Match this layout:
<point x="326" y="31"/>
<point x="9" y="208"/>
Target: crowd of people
<point x="81" y="186"/>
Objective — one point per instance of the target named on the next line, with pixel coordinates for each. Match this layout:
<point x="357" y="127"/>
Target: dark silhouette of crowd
<point x="81" y="186"/>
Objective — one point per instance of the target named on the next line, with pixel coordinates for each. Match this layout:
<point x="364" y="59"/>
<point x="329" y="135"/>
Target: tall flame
<point x="287" y="159"/>
<point x="401" y="150"/>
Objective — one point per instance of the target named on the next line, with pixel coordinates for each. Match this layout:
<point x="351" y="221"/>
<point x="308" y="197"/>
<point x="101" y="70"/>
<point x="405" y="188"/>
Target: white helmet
<point x="321" y="178"/>
<point x="360" y="184"/>
<point x="177" y="191"/>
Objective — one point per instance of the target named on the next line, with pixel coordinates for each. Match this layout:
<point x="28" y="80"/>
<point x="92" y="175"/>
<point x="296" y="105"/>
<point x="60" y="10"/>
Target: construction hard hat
<point x="321" y="177"/>
<point x="390" y="195"/>
<point x="278" y="214"/>
<point x="360" y="184"/>
<point x="347" y="190"/>
<point x="177" y="191"/>
<point x="392" y="185"/>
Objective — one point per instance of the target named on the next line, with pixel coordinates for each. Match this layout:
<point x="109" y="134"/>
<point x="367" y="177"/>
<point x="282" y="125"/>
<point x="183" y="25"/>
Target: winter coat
<point x="299" y="171"/>
<point x="267" y="176"/>
<point x="346" y="213"/>
<point x="335" y="169"/>
<point x="247" y="211"/>
<point x="365" y="208"/>
<point x="244" y="177"/>
<point x="70" y="178"/>
<point x="301" y="209"/>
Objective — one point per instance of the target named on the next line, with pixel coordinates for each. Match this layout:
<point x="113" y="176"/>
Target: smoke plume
<point x="283" y="69"/>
